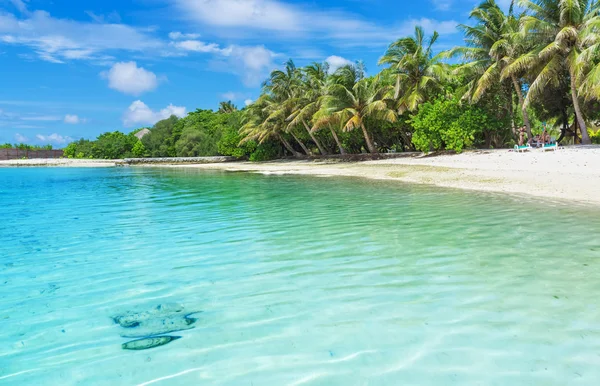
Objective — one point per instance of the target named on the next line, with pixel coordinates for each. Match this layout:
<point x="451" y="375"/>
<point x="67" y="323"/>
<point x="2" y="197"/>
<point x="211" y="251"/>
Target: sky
<point x="74" y="69"/>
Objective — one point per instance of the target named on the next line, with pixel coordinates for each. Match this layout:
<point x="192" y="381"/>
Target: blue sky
<point x="75" y="69"/>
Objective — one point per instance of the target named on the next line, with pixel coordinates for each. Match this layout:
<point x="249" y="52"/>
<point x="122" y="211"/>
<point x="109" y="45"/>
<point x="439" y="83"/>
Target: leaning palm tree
<point x="227" y="107"/>
<point x="308" y="97"/>
<point x="352" y="107"/>
<point x="286" y="88"/>
<point x="417" y="72"/>
<point x="258" y="125"/>
<point x="564" y="33"/>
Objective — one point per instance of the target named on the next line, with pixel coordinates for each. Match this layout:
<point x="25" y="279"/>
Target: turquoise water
<point x="300" y="281"/>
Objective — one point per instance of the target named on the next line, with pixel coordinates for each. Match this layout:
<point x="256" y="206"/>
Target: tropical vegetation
<point x="536" y="66"/>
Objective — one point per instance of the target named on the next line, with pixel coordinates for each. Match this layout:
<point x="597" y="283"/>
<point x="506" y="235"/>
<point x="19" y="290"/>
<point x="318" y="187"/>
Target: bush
<point x="447" y="124"/>
<point x="139" y="150"/>
<point x="265" y="152"/>
<point x="595" y="137"/>
<point x="229" y="145"/>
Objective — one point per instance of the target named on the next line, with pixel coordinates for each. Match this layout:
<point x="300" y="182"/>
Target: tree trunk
<point x="315" y="140"/>
<point x="585" y="137"/>
<point x="522" y="106"/>
<point x="302" y="145"/>
<point x="288" y="146"/>
<point x="372" y="148"/>
<point x="337" y="140"/>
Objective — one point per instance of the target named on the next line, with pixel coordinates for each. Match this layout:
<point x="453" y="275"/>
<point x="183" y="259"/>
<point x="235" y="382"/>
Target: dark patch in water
<point x="160" y="326"/>
<point x="150" y="325"/>
<point x="148" y="343"/>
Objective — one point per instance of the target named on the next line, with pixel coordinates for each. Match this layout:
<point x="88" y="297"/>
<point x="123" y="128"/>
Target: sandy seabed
<point x="572" y="173"/>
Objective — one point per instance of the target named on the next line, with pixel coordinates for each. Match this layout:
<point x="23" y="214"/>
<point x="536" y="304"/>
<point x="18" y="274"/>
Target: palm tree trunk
<point x="522" y="106"/>
<point x="585" y="137"/>
<point x="315" y="140"/>
<point x="302" y="145"/>
<point x="337" y="140"/>
<point x="288" y="146"/>
<point x="372" y="148"/>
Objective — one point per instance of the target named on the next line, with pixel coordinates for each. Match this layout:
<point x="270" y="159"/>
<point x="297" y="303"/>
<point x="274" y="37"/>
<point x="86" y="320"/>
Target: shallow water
<point x="300" y="281"/>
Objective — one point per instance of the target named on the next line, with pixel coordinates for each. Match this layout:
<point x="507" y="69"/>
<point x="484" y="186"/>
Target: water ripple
<point x="299" y="280"/>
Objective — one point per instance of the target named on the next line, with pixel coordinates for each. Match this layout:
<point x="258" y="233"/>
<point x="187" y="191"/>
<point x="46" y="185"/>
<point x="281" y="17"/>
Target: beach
<point x="570" y="174"/>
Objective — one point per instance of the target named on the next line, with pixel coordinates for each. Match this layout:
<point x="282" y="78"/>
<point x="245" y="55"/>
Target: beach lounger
<point x="552" y="146"/>
<point x="520" y="149"/>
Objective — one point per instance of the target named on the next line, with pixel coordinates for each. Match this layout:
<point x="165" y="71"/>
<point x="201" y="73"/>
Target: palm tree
<point x="287" y="89"/>
<point x="260" y="125"/>
<point x="416" y="71"/>
<point x="308" y="100"/>
<point x="492" y="44"/>
<point x="352" y="107"/>
<point x="564" y="34"/>
<point x="227" y="107"/>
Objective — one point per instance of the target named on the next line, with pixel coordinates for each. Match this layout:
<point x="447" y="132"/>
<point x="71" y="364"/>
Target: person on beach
<point x="522" y="131"/>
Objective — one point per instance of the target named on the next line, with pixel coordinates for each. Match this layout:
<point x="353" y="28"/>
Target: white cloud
<point x="252" y="63"/>
<point x="48" y="118"/>
<point x="178" y="35"/>
<point x="262" y="14"/>
<point x="248" y="102"/>
<point x="112" y="17"/>
<point x="54" y="139"/>
<point x="231" y="96"/>
<point x="442" y="5"/>
<point x="21" y="138"/>
<point x="128" y="78"/>
<point x="285" y="19"/>
<point x="56" y="40"/>
<point x="430" y="25"/>
<point x="336" y="62"/>
<point x="196" y="46"/>
<point x="72" y="119"/>
<point x="138" y="113"/>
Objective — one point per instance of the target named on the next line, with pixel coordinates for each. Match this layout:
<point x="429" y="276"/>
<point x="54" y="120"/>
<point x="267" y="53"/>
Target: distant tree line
<point x="24" y="146"/>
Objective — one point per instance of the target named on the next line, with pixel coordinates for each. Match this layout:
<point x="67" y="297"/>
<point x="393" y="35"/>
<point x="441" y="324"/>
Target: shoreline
<point x="571" y="174"/>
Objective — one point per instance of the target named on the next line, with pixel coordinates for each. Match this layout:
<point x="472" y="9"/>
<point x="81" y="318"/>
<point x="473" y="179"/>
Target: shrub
<point x="265" y="152"/>
<point x="595" y="137"/>
<point x="448" y="124"/>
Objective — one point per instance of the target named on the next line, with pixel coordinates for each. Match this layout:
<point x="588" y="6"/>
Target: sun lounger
<point x="552" y="146"/>
<point x="520" y="149"/>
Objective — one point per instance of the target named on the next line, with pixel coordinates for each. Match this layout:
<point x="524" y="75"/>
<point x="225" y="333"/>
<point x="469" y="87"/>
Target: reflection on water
<point x="299" y="280"/>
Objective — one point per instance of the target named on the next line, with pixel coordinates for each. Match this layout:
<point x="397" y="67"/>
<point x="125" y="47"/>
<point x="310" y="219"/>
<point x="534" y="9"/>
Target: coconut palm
<point x="259" y="125"/>
<point x="493" y="43"/>
<point x="417" y="72"/>
<point x="288" y="91"/>
<point x="564" y="36"/>
<point x="308" y="100"/>
<point x="352" y="107"/>
<point x="227" y="107"/>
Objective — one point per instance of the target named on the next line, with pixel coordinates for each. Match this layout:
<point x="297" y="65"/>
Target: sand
<point x="570" y="174"/>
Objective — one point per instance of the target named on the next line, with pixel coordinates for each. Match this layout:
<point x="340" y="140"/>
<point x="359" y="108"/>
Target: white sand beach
<point x="571" y="174"/>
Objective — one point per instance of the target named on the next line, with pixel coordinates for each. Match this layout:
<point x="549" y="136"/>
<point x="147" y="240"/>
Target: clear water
<point x="301" y="281"/>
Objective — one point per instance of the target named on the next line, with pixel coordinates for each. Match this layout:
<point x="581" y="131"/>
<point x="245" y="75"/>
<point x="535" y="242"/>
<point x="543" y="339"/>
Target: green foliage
<point x="447" y="124"/>
<point x="139" y="150"/>
<point x="113" y="145"/>
<point x="595" y="137"/>
<point x="229" y="144"/>
<point x="265" y="151"/>
<point x="24" y="146"/>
